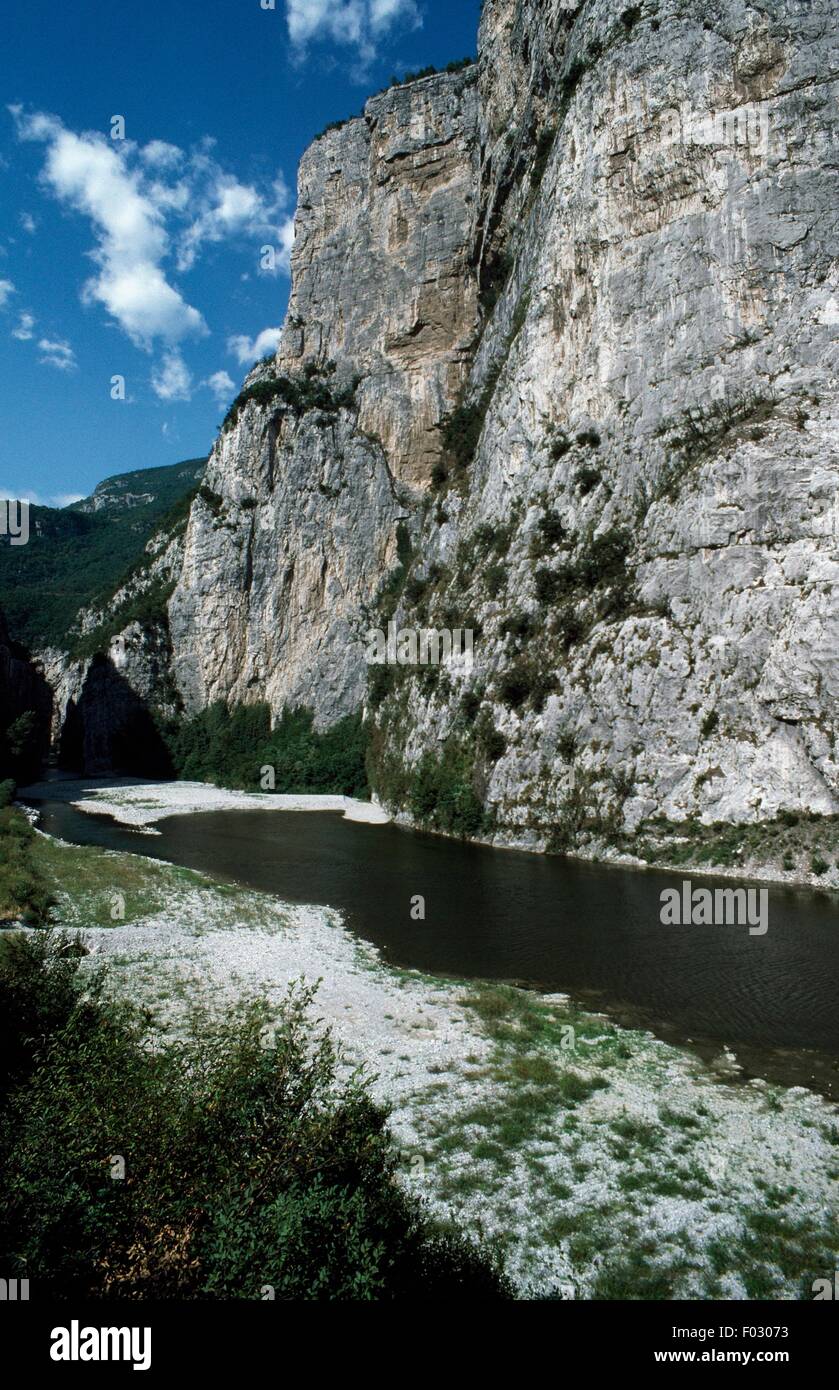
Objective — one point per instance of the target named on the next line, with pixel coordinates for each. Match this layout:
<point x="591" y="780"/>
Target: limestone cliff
<point x="281" y="565"/>
<point x="607" y="256"/>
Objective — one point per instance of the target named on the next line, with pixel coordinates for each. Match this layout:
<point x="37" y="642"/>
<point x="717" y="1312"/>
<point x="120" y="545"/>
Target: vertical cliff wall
<point x="645" y="536"/>
<point x="605" y="258"/>
<point x="285" y="558"/>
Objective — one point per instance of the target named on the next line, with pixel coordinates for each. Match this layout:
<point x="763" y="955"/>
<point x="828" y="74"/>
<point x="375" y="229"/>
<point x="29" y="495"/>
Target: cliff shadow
<point x="111" y="729"/>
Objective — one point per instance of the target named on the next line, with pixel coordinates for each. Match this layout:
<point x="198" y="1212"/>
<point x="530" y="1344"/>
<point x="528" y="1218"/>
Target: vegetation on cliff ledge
<point x="310" y="391"/>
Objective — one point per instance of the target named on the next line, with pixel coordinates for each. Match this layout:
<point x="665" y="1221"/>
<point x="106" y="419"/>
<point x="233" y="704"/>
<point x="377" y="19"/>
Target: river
<point x="591" y="931"/>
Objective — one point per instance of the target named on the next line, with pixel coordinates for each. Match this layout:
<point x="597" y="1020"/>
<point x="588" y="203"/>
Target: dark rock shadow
<point x="110" y="729"/>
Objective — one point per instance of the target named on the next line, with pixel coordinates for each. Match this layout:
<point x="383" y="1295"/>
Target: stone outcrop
<point x="609" y="252"/>
<point x="284" y="560"/>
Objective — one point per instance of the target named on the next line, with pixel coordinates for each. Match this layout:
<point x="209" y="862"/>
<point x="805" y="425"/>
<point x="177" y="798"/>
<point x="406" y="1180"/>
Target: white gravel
<point x="140" y="804"/>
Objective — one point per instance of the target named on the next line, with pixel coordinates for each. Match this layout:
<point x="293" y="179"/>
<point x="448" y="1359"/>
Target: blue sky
<point x="141" y="257"/>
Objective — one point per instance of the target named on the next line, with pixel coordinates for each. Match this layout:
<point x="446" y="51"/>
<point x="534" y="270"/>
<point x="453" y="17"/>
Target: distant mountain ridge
<point x="78" y="554"/>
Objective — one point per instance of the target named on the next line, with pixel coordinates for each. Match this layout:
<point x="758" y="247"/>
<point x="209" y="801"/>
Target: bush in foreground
<point x="247" y="1161"/>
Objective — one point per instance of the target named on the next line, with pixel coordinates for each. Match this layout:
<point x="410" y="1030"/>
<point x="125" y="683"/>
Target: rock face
<point x="300" y="529"/>
<point x="654" y="496"/>
<point x="610" y="252"/>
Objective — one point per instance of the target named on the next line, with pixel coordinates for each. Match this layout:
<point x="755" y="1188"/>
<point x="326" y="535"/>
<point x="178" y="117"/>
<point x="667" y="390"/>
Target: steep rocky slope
<point x="604" y="260"/>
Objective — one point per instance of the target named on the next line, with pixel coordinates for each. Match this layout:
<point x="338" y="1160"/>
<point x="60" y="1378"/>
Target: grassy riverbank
<point x="607" y="1163"/>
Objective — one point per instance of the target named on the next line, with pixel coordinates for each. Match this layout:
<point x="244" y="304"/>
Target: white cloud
<point x="233" y="207"/>
<point x="251" y="349"/>
<point x="161" y="155"/>
<point x="359" y="23"/>
<point x="28" y="222"/>
<point x="227" y="209"/>
<point x="93" y="176"/>
<point x="57" y="353"/>
<point x="172" y="381"/>
<point x="25" y="325"/>
<point x="147" y="204"/>
<point x="222" y="386"/>
<point x="6" y="289"/>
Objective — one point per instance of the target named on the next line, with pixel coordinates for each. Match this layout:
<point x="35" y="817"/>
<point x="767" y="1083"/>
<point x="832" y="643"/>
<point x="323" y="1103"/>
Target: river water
<point x="592" y="931"/>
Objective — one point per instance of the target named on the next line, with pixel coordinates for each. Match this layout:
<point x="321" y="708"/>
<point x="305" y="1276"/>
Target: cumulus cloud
<point x="6" y="290"/>
<point x="161" y="155"/>
<point x="222" y="386"/>
<point x="93" y="176"/>
<point x="172" y="380"/>
<point x="232" y="208"/>
<point x="248" y="350"/>
<point x="147" y="204"/>
<point x="57" y="353"/>
<point x="24" y="328"/>
<point x="358" y="23"/>
<point x="28" y="223"/>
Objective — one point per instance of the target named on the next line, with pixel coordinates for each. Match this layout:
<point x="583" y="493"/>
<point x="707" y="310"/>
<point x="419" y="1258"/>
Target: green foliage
<point x="549" y="533"/>
<point x="335" y="125"/>
<point x="586" y="479"/>
<point x="458" y="65"/>
<point x="495" y="578"/>
<point x="553" y="584"/>
<point x="148" y="608"/>
<point x="443" y="795"/>
<point x="570" y="81"/>
<point x="23" y="895"/>
<point x="526" y="680"/>
<point x="519" y="626"/>
<point x="605" y="559"/>
<point x="387" y="600"/>
<point x="77" y="558"/>
<point x="462" y="429"/>
<point x="310" y="391"/>
<point x="228" y="745"/>
<point x="21" y="748"/>
<point x="710" y="723"/>
<point x="494" y="277"/>
<point x="246" y="1164"/>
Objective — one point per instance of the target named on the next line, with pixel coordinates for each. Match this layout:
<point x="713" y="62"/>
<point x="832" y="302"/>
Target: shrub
<point x="495" y="578"/>
<point x="542" y="154"/>
<point x="471" y="704"/>
<point x="519" y="626"/>
<point x="605" y="560"/>
<point x="309" y="391"/>
<point x="551" y="585"/>
<point x="525" y="680"/>
<point x="228" y="745"/>
<point x="560" y="445"/>
<point x="23" y="895"/>
<point x="443" y="795"/>
<point x="587" y="479"/>
<point x="710" y="723"/>
<point x="247" y="1165"/>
